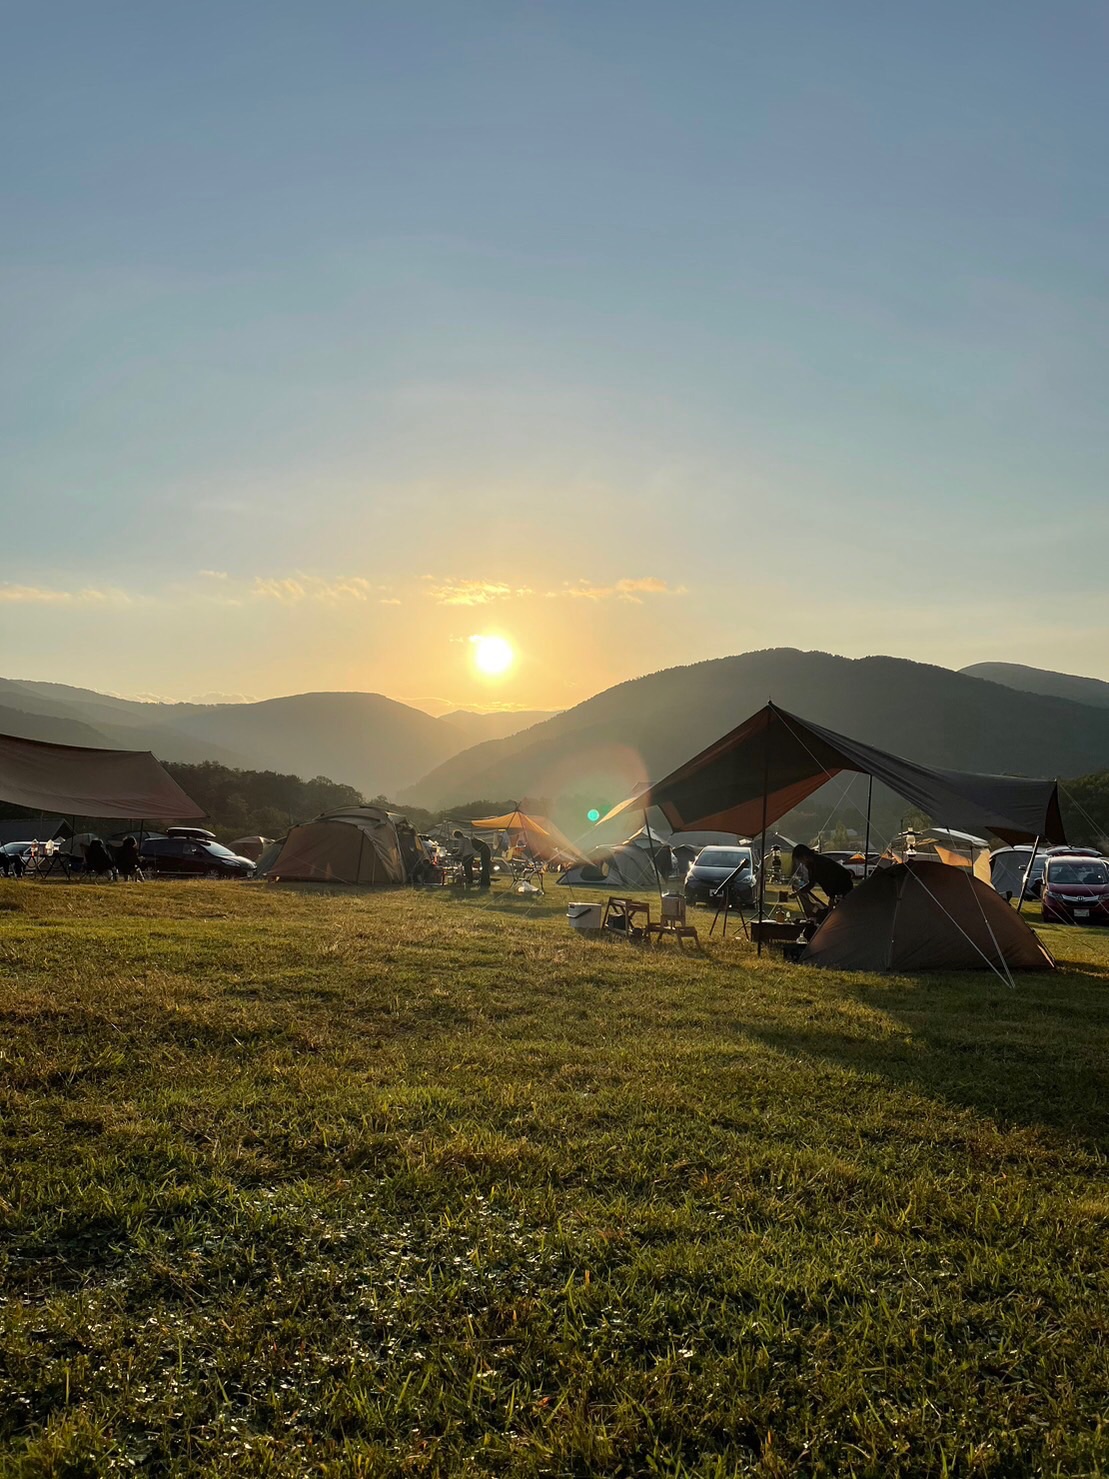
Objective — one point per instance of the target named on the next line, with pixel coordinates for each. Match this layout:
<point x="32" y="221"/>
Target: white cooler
<point x="584" y="916"/>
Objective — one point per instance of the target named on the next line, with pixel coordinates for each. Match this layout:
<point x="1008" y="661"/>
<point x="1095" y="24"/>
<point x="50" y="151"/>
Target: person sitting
<point x="823" y="873"/>
<point x="127" y="859"/>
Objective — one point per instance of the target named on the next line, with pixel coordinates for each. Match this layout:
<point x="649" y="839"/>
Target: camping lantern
<point x="910" y="840"/>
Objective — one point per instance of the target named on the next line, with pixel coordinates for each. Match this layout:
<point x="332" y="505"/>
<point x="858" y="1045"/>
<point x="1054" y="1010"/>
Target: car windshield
<point x="721" y="857"/>
<point x="1084" y="870"/>
<point x="218" y="850"/>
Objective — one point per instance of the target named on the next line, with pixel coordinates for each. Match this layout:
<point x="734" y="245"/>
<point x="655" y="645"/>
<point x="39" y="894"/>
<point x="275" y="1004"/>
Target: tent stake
<point x="866" y="844"/>
<point x="765" y="802"/>
<point x="1027" y="875"/>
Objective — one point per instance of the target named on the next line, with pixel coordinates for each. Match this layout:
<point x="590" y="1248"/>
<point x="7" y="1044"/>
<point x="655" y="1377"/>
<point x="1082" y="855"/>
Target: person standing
<point x="465" y="853"/>
<point x="485" y="860"/>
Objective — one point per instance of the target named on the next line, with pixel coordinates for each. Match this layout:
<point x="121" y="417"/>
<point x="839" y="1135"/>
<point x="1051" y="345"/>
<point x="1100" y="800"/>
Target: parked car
<point x="192" y="857"/>
<point x="1076" y="890"/>
<point x="712" y="866"/>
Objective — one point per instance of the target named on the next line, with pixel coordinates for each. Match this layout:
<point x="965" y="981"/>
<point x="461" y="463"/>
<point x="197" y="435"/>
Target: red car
<point x="1076" y="890"/>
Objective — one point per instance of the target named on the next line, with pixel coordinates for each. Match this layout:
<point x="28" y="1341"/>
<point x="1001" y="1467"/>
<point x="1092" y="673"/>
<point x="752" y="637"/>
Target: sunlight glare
<point x="492" y="655"/>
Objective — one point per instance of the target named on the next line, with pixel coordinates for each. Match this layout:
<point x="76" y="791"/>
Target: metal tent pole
<point x="654" y="860"/>
<point x="765" y="803"/>
<point x="866" y="844"/>
<point x="1027" y="875"/>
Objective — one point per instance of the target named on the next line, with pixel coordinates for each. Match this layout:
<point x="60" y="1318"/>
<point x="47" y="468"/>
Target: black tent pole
<point x="654" y="860"/>
<point x="866" y="844"/>
<point x="765" y="803"/>
<point x="1027" y="875"/>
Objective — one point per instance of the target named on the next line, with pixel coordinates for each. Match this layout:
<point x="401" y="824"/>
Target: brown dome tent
<point x="359" y="845"/>
<point x="922" y="915"/>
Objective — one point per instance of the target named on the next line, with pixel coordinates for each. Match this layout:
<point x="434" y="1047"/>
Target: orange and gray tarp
<point x="538" y="834"/>
<point x="775" y="760"/>
<point x="126" y="784"/>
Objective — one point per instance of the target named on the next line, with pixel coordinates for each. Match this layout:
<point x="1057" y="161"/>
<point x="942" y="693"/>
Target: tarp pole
<point x="765" y="804"/>
<point x="866" y="844"/>
<point x="1027" y="874"/>
<point x="654" y="860"/>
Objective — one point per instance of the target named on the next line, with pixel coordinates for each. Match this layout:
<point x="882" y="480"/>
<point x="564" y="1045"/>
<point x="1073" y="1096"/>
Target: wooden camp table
<point x="771" y="932"/>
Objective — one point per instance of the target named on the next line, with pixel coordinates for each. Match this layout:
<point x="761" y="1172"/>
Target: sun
<point x="492" y="655"/>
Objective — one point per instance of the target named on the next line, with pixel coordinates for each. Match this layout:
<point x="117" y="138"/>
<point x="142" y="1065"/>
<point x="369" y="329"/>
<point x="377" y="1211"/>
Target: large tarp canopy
<point x="76" y="781"/>
<point x="774" y="760"/>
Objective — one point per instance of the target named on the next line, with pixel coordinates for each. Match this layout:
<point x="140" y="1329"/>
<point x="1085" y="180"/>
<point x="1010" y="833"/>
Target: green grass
<point x="305" y="1184"/>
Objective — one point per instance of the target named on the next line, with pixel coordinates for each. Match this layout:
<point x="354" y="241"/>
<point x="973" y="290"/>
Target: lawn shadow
<point x="1033" y="1055"/>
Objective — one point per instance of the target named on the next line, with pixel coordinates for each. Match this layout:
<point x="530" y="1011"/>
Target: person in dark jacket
<point x="830" y="877"/>
<point x="485" y="860"/>
<point x="127" y="858"/>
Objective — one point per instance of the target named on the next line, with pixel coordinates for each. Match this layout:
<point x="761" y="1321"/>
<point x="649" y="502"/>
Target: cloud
<point x="291" y="589"/>
<point x="622" y="590"/>
<point x="474" y="592"/>
<point x="390" y="601"/>
<point x="44" y="596"/>
<point x="213" y="574"/>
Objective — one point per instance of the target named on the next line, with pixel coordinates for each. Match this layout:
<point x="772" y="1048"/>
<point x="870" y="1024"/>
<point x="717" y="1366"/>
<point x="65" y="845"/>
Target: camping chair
<point x="673" y="922"/>
<point x="527" y="871"/>
<point x="625" y="917"/>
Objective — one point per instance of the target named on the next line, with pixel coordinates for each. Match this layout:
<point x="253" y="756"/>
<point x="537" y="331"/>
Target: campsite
<point x="405" y="1182"/>
<point x="554" y="741"/>
<point x="370" y="1164"/>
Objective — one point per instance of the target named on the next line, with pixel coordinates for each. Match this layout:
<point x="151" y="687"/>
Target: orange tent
<point x="538" y="834"/>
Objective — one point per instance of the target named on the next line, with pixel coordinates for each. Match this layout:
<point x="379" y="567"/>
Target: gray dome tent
<point x="922" y="915"/>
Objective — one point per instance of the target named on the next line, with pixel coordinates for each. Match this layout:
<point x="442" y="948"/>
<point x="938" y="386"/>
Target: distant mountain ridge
<point x="1092" y="691"/>
<point x="361" y="739"/>
<point x="641" y="729"/>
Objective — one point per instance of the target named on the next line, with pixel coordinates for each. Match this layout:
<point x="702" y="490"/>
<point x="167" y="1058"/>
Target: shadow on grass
<point x="1033" y="1056"/>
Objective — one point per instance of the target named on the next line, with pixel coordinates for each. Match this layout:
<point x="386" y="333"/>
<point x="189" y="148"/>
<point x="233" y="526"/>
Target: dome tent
<point x="618" y="867"/>
<point x="921" y="915"/>
<point x="356" y="845"/>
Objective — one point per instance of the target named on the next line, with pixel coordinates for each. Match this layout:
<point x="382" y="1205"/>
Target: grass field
<point x="306" y="1184"/>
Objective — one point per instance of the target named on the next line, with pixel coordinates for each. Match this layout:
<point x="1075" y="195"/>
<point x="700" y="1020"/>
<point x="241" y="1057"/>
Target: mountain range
<point x="991" y="717"/>
<point x="362" y="739"/>
<point x="1093" y="691"/>
<point x="595" y="753"/>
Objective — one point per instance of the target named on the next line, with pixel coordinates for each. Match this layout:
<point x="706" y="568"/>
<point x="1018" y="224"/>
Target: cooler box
<point x="584" y="916"/>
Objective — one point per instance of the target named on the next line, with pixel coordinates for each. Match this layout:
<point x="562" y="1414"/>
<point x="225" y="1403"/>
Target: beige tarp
<point x="125" y="784"/>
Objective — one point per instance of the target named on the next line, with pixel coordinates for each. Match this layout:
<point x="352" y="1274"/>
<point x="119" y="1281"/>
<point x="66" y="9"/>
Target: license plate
<point x="1081" y="914"/>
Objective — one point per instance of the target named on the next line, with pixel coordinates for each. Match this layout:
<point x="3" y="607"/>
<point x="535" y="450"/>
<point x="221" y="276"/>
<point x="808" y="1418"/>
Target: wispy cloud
<point x="291" y="589"/>
<point x="622" y="590"/>
<point x="213" y="574"/>
<point x="46" y="596"/>
<point x="474" y="592"/>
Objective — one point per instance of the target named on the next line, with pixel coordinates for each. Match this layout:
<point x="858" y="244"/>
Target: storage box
<point x="584" y="916"/>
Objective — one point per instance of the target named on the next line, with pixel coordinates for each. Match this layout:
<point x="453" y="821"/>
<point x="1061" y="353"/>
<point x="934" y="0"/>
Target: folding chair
<point x="673" y="922"/>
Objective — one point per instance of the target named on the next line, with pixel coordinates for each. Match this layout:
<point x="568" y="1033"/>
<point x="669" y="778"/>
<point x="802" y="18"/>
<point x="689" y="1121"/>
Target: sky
<point x="633" y="333"/>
